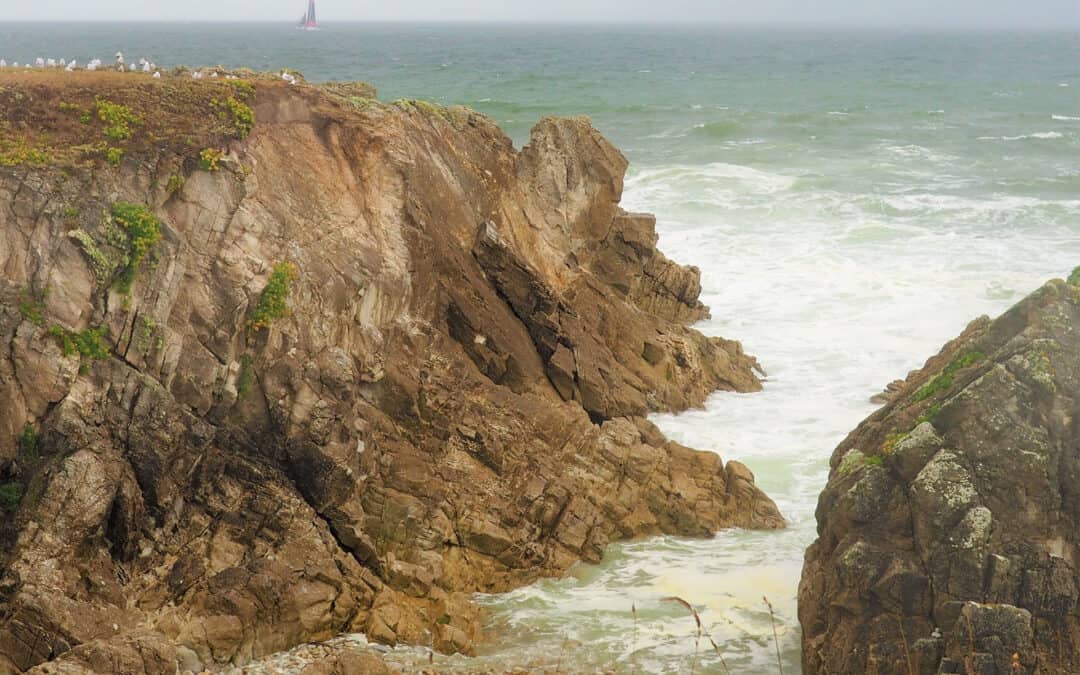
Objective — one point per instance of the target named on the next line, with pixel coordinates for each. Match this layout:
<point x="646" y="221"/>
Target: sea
<point x="853" y="198"/>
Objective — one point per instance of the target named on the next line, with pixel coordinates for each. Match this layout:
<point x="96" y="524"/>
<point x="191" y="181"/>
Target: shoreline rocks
<point x="948" y="529"/>
<point x="330" y="373"/>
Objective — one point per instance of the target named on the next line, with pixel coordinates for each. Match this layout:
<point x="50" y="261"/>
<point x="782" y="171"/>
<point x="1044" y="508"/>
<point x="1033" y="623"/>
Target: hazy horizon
<point x="961" y="14"/>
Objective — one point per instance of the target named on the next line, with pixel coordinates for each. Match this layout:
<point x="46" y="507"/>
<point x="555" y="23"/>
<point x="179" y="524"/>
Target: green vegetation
<point x="114" y="156"/>
<point x="944" y="380"/>
<point x="70" y="213"/>
<point x="175" y="184"/>
<point x="28" y="441"/>
<point x="243" y="88"/>
<point x="16" y="152"/>
<point x="118" y="119"/>
<point x="86" y="117"/>
<point x="892" y="440"/>
<point x="929" y="415"/>
<point x="209" y="158"/>
<point x="68" y="107"/>
<point x="246" y="377"/>
<point x="10" y="495"/>
<point x="32" y="307"/>
<point x="272" y="304"/>
<point x="146" y="337"/>
<point x="1074" y="278"/>
<point x="875" y="461"/>
<point x="237" y="113"/>
<point x="88" y="344"/>
<point x="143" y="231"/>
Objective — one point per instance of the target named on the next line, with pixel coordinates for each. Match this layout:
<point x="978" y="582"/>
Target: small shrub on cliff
<point x="209" y="158"/>
<point x="1074" y="278"/>
<point x="246" y="377"/>
<point x="10" y="495"/>
<point x="273" y="301"/>
<point x="28" y="441"/>
<point x="118" y="119"/>
<point x="14" y="153"/>
<point x="143" y="230"/>
<point x="32" y="307"/>
<point x="114" y="156"/>
<point x="175" y="184"/>
<point x="236" y="112"/>
<point x="944" y="381"/>
<point x="88" y="344"/>
<point x="68" y="107"/>
<point x="243" y="88"/>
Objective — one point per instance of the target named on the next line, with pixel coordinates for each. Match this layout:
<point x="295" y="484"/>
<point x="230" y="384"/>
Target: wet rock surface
<point x="452" y="402"/>
<point x="948" y="532"/>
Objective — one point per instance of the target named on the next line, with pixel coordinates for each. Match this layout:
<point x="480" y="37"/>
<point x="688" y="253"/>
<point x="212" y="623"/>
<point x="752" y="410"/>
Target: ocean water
<point x="853" y="199"/>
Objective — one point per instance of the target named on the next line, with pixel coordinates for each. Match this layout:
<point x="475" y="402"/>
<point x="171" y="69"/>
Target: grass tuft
<point x="143" y="230"/>
<point x="944" y="381"/>
<point x="273" y="301"/>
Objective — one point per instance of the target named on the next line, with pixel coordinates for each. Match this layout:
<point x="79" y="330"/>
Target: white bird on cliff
<point x="70" y="66"/>
<point x="3" y="63"/>
<point x="39" y="62"/>
<point x="289" y="77"/>
<point x="51" y="63"/>
<point x="157" y="75"/>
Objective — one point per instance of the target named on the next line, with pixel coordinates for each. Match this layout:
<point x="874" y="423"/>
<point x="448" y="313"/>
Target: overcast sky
<point x="941" y="13"/>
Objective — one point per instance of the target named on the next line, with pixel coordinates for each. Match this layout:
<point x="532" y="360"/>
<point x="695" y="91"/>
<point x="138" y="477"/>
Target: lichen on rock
<point x="978" y="506"/>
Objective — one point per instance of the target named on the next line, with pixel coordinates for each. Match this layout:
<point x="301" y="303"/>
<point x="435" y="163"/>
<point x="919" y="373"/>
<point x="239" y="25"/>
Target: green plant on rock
<point x="246" y="377"/>
<point x="143" y="230"/>
<point x="146" y="337"/>
<point x="273" y="301"/>
<point x="28" y="441"/>
<point x="16" y="152"/>
<point x="175" y="184"/>
<point x="209" y="158"/>
<point x="86" y="117"/>
<point x="68" y="107"/>
<point x="114" y="156"/>
<point x="944" y="380"/>
<point x="118" y="119"/>
<point x="1074" y="278"/>
<point x="88" y="344"/>
<point x="237" y="113"/>
<point x="32" y="307"/>
<point x="243" y="88"/>
<point x="10" y="495"/>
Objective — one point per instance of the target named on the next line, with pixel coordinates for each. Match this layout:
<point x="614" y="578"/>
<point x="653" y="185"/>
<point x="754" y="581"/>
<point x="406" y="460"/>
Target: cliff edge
<point x="949" y="530"/>
<point x="281" y="362"/>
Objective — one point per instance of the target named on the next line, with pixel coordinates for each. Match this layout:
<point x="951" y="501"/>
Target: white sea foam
<point x="1040" y="135"/>
<point x="1065" y="118"/>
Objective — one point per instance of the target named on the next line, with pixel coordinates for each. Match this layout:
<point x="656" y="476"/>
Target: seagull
<point x="157" y="75"/>
<point x="51" y="63"/>
<point x="3" y="63"/>
<point x="213" y="74"/>
<point x="39" y="62"/>
<point x="119" y="57"/>
<point x="288" y="77"/>
<point x="70" y="66"/>
<point x="146" y="66"/>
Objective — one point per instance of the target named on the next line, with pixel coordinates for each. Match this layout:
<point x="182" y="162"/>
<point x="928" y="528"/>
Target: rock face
<point x="452" y="402"/>
<point x="949" y="532"/>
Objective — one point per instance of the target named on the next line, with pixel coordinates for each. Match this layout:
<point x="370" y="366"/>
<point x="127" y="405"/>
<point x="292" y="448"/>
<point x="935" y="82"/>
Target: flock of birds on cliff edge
<point x="142" y="66"/>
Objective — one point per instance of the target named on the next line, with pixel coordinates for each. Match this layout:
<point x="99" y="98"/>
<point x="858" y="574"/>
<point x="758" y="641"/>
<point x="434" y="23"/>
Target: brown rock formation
<point x="452" y="403"/>
<point x="948" y="530"/>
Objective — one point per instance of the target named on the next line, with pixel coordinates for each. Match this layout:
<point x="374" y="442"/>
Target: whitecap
<point x="1065" y="118"/>
<point x="1039" y="135"/>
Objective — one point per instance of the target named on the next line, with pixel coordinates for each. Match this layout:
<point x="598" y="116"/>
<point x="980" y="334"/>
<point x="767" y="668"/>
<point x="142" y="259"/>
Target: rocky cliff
<point x="282" y="361"/>
<point x="950" y="527"/>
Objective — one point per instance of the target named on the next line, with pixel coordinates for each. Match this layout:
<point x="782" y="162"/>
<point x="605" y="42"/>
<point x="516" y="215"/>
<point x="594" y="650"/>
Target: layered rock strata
<point x="331" y="373"/>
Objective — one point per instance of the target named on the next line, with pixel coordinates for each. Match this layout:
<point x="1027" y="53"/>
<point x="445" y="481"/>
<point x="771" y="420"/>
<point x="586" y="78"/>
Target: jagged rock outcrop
<point x="453" y="401"/>
<point x="949" y="531"/>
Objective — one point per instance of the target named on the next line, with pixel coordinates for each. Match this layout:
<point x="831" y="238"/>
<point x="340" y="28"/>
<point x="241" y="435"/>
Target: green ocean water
<point x="852" y="198"/>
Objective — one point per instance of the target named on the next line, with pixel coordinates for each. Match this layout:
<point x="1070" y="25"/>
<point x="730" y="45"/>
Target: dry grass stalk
<point x="907" y="648"/>
<point x="775" y="635"/>
<point x="697" y="620"/>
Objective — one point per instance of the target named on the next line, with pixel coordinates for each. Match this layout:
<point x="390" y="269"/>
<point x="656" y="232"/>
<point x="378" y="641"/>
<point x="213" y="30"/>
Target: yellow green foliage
<point x="143" y="230"/>
<point x="118" y="119"/>
<point x="944" y="381"/>
<point x="88" y="344"/>
<point x="237" y="113"/>
<point x="175" y="183"/>
<point x="114" y="156"/>
<point x="15" y="152"/>
<point x="209" y="158"/>
<point x="273" y="301"/>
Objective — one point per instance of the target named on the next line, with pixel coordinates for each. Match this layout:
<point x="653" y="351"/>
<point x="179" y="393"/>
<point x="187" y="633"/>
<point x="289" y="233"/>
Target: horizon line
<point x="711" y="23"/>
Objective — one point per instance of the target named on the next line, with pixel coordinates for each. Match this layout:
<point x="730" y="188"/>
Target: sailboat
<point x="308" y="22"/>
